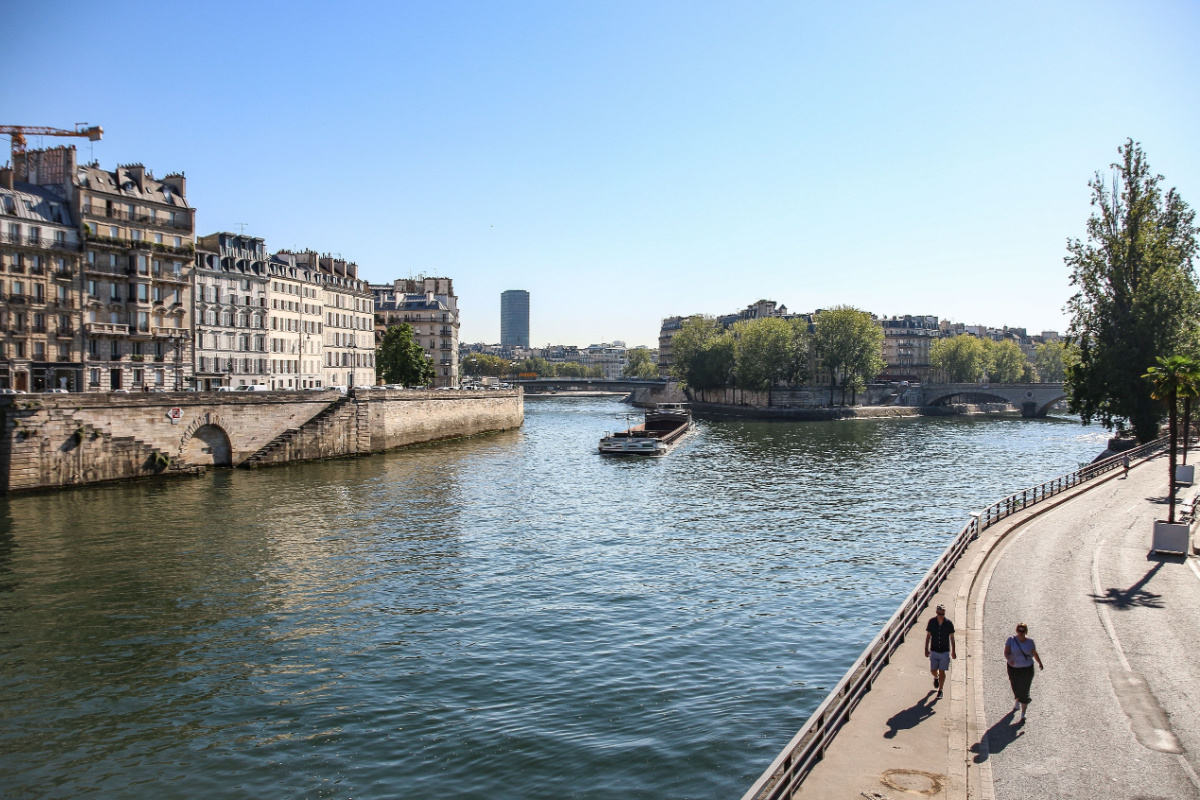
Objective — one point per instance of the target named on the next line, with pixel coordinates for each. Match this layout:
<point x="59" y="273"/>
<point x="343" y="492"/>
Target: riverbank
<point x="719" y="411"/>
<point x="57" y="440"/>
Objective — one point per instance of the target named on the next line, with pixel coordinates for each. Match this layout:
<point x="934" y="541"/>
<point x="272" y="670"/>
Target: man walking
<point x="939" y="647"/>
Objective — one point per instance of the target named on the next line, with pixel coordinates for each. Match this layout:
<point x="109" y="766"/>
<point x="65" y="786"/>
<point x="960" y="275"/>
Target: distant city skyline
<point x="634" y="162"/>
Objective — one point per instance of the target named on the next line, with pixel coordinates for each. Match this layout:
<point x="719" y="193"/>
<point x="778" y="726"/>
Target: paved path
<point x="1116" y="713"/>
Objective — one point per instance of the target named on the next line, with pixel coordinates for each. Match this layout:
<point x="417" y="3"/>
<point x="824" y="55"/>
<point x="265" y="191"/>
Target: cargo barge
<point x="661" y="430"/>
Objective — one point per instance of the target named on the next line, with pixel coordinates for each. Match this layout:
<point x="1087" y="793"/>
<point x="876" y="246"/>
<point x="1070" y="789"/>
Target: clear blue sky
<point x="628" y="161"/>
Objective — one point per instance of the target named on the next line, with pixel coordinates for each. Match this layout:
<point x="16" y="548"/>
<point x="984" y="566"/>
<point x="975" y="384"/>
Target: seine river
<point x="509" y="616"/>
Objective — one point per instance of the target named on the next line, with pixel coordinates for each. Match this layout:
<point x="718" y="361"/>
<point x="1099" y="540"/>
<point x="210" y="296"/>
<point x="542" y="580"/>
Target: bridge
<point x="589" y="384"/>
<point x="1034" y="399"/>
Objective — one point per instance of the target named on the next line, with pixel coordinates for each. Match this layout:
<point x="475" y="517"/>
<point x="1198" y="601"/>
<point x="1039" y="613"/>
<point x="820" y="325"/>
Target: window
<point x="94" y="377"/>
<point x="158" y="238"/>
<point x="138" y="376"/>
<point x="114" y="349"/>
<point x="158" y="294"/>
<point x="143" y="266"/>
<point x="39" y="351"/>
<point x="19" y="349"/>
<point x="178" y="242"/>
<point x="114" y="232"/>
<point x="159" y="377"/>
<point x="143" y="321"/>
<point x="136" y="236"/>
<point x="143" y="293"/>
<point x="93" y="347"/>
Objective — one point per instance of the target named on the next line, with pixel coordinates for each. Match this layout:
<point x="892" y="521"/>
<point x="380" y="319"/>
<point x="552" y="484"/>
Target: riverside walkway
<point x="1115" y="713"/>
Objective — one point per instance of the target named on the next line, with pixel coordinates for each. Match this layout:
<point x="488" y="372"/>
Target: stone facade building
<point x="42" y="344"/>
<point x="346" y="342"/>
<point x="431" y="307"/>
<point x="231" y="314"/>
<point x="907" y="342"/>
<point x="295" y="299"/>
<point x="138" y="247"/>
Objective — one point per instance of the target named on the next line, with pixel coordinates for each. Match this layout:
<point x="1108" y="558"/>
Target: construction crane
<point x="19" y="132"/>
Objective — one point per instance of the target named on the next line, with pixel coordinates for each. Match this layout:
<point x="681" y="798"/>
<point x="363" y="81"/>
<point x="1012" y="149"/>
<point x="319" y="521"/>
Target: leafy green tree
<point x="1052" y="360"/>
<point x="849" y="344"/>
<point x="1006" y="361"/>
<point x="959" y="359"/>
<point x="799" y="365"/>
<point x="640" y="366"/>
<point x="703" y="354"/>
<point x="481" y="364"/>
<point x="400" y="359"/>
<point x="1137" y="298"/>
<point x="764" y="352"/>
<point x="1172" y="377"/>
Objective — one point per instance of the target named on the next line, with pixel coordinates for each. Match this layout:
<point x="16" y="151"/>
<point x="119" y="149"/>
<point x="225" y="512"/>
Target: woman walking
<point x="1021" y="652"/>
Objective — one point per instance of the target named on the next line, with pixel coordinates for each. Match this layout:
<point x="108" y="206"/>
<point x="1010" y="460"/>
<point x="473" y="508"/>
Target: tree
<point x="799" y="364"/>
<point x="960" y="359"/>
<point x="849" y="344"/>
<point x="480" y="364"/>
<point x="1006" y="361"/>
<point x="1136" y="298"/>
<point x="640" y="366"/>
<point x="703" y="354"/>
<point x="1052" y="359"/>
<point x="400" y="359"/>
<point x="764" y="352"/>
<point x="1172" y="377"/>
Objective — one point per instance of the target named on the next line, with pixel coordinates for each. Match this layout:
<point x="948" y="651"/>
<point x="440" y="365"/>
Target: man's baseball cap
<point x="941" y="608"/>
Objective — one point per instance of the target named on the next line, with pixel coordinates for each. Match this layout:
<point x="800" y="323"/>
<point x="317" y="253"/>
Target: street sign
<point x="175" y="414"/>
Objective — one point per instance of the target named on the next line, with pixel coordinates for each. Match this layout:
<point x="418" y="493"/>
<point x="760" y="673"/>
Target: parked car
<point x="11" y="391"/>
<point x="58" y="391"/>
<point x="120" y="391"/>
<point x="252" y="388"/>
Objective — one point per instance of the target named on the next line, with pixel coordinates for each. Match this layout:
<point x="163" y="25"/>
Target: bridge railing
<point x="807" y="747"/>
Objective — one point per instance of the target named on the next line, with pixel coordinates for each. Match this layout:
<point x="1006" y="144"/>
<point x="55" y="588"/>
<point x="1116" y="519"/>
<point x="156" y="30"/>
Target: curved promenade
<point x="1116" y="712"/>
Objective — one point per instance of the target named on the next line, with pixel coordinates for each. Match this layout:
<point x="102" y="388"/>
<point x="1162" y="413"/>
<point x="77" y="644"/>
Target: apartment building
<point x="610" y="357"/>
<point x="295" y="299"/>
<point x="430" y="306"/>
<point x="231" y="311"/>
<point x="42" y="342"/>
<point x="346" y="321"/>
<point x="907" y="344"/>
<point x="137" y="257"/>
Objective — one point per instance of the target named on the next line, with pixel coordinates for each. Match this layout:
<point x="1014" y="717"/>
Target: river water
<point x="509" y="616"/>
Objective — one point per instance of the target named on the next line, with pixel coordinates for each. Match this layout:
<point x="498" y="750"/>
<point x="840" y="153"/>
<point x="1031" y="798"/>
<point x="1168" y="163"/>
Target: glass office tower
<point x="514" y="318"/>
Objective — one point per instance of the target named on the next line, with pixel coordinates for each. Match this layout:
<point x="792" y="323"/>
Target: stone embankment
<point x="56" y="440"/>
<point x="806" y="403"/>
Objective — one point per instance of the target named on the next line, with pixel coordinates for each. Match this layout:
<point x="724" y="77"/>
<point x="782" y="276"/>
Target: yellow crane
<point x="19" y="132"/>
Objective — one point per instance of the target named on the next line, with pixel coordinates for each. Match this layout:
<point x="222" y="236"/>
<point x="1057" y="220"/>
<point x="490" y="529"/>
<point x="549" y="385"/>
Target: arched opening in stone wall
<point x="209" y="446"/>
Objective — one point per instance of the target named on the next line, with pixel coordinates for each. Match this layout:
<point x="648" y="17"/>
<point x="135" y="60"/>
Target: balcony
<point x="168" y="333"/>
<point x="17" y="298"/>
<point x="38" y="328"/>
<point x="106" y="329"/>
<point x="107" y="269"/>
<point x="64" y="302"/>
<point x="65" y="332"/>
<point x="38" y="242"/>
<point x="65" y="273"/>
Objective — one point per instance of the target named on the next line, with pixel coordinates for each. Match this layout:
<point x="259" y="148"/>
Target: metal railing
<point x="807" y="747"/>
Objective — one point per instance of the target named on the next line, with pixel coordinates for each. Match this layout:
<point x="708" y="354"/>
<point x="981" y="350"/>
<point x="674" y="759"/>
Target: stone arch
<point x="968" y="395"/>
<point x="206" y="441"/>
<point x="209" y="446"/>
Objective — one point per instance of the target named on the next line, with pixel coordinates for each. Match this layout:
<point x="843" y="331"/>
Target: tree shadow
<point x="998" y="737"/>
<point x="1136" y="595"/>
<point x="910" y="717"/>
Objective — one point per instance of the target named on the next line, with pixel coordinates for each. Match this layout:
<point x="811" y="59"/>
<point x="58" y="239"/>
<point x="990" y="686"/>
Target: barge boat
<point x="661" y="430"/>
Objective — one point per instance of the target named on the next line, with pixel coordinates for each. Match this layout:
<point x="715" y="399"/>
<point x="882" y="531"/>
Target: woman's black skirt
<point x="1021" y="678"/>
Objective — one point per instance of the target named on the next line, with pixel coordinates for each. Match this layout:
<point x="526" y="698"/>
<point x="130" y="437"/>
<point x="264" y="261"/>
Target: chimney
<point x="177" y="182"/>
<point x="6" y="178"/>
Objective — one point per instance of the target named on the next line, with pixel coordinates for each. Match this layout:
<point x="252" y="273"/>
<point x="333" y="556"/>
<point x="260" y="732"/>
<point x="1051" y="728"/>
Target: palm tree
<point x="1188" y="392"/>
<point x="1172" y="378"/>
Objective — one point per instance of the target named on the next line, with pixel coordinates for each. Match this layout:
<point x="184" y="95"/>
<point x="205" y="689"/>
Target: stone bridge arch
<point x="205" y="441"/>
<point x="1034" y="399"/>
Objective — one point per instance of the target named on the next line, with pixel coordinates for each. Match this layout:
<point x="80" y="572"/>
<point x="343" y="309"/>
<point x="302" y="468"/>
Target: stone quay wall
<point x="56" y="440"/>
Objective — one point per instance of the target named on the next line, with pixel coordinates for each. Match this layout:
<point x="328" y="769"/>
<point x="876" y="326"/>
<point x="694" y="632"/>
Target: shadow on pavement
<point x="1167" y="558"/>
<point x="998" y="737"/>
<point x="910" y="717"/>
<point x="1136" y="595"/>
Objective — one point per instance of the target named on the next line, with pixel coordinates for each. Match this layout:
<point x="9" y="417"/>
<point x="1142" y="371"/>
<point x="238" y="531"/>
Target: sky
<point x="624" y="162"/>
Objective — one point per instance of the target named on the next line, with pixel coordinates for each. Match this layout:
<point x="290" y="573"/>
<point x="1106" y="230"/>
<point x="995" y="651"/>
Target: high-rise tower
<point x="514" y="318"/>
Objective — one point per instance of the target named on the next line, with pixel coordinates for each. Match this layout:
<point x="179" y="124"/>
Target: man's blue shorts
<point x="939" y="661"/>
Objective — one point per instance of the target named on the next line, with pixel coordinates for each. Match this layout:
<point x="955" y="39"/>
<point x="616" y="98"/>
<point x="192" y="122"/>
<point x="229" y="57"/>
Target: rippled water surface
<point x="509" y="616"/>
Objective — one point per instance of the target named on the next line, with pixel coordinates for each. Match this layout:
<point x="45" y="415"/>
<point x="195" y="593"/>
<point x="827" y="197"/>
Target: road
<point x="1116" y="712"/>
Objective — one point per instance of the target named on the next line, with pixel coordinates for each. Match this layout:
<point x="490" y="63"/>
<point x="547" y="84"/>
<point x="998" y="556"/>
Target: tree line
<point x="969" y="359"/>
<point x="842" y="345"/>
